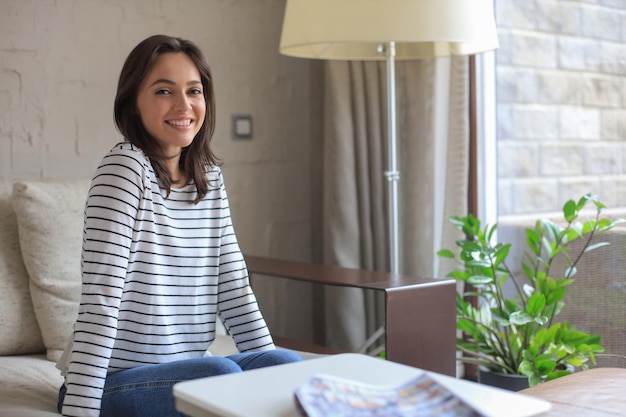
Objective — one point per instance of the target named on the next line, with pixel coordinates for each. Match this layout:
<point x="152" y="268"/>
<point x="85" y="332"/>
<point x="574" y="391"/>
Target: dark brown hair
<point x="197" y="157"/>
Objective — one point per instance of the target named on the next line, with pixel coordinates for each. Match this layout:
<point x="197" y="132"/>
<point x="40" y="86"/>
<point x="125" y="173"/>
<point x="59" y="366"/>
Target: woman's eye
<point x="163" y="92"/>
<point x="195" y="91"/>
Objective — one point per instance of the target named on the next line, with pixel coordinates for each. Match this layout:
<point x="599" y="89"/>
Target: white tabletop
<point x="269" y="392"/>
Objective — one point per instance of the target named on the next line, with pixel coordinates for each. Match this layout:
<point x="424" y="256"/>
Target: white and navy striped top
<point x="156" y="271"/>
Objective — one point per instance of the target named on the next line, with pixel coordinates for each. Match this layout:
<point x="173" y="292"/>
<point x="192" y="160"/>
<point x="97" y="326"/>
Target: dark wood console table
<point x="420" y="313"/>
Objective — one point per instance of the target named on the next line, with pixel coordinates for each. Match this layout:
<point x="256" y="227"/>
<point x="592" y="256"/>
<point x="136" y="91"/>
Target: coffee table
<point x="269" y="392"/>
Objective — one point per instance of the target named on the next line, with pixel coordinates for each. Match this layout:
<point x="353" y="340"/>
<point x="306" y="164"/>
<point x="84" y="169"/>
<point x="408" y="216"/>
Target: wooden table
<point x="597" y="392"/>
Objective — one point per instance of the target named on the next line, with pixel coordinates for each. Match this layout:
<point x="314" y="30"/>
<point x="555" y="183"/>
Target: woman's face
<point x="171" y="102"/>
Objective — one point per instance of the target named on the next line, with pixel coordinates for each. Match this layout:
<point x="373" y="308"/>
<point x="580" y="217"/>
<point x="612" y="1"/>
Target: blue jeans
<point x="146" y="391"/>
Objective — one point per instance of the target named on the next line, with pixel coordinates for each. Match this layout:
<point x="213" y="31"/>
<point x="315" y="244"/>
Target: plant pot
<point x="504" y="381"/>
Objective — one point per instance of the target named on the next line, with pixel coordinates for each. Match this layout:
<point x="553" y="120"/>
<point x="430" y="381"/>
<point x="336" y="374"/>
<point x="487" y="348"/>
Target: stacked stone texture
<point x="561" y="103"/>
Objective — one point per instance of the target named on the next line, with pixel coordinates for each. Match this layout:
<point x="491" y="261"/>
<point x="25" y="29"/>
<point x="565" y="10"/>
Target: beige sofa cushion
<point x="50" y="219"/>
<point x="18" y="325"/>
<point x="29" y="386"/>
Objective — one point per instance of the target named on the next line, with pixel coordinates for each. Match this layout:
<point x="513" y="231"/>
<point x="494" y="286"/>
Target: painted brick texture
<point x="59" y="64"/>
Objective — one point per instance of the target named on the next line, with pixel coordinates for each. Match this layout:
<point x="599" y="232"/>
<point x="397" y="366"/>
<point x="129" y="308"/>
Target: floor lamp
<point x="388" y="30"/>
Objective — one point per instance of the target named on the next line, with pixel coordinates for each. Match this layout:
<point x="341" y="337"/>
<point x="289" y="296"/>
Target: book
<point x="330" y="396"/>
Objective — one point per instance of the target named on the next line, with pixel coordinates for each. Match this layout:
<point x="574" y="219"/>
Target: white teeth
<point x="179" y="122"/>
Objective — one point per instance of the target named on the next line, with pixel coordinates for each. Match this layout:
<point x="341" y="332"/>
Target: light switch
<point x="242" y="126"/>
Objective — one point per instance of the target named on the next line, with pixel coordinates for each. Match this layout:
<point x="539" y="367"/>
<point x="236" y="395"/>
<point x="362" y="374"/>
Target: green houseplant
<point x="512" y="326"/>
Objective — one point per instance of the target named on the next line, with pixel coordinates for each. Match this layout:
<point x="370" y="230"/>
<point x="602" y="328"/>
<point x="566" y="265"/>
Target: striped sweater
<point x="156" y="270"/>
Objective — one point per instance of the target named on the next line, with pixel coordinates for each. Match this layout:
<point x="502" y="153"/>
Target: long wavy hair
<point x="196" y="158"/>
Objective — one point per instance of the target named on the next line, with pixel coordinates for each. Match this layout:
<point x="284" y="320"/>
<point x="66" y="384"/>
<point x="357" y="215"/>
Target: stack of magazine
<point x="422" y="396"/>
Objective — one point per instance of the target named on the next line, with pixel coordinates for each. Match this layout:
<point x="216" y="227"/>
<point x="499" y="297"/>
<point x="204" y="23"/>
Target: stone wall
<point x="561" y="103"/>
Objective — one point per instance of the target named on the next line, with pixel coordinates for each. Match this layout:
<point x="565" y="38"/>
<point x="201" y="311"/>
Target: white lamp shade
<point x="353" y="29"/>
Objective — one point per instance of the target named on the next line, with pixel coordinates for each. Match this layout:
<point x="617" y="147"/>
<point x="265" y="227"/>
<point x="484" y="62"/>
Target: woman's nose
<point x="182" y="102"/>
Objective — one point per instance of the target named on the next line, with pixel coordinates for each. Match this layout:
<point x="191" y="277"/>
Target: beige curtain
<point x="432" y="106"/>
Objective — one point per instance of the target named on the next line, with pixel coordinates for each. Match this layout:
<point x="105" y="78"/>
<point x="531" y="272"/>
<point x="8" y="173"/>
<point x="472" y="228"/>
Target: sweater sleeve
<point x="236" y="301"/>
<point x="110" y="213"/>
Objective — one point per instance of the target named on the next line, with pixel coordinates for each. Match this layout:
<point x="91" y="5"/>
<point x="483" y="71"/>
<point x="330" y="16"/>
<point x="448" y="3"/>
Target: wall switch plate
<point x="241" y="126"/>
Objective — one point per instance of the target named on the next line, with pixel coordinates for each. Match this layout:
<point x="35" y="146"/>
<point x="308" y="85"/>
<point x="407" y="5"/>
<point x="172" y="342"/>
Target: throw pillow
<point x="18" y="325"/>
<point x="50" y="220"/>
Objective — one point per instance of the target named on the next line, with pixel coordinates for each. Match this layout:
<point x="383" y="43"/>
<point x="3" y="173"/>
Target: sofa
<point x="40" y="243"/>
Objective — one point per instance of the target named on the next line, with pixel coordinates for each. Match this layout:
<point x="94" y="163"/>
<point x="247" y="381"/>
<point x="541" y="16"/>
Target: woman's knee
<point x="204" y="367"/>
<point x="171" y="372"/>
<point x="253" y="360"/>
<point x="281" y="356"/>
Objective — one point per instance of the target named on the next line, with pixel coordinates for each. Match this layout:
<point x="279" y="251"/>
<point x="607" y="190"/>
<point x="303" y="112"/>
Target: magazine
<point x="422" y="396"/>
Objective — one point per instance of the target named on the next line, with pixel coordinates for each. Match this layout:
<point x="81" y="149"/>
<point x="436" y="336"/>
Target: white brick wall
<point x="561" y="103"/>
<point x="59" y="64"/>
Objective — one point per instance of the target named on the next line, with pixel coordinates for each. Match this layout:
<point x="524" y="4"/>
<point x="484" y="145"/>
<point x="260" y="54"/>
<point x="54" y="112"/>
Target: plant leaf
<point x="525" y="368"/>
<point x="552" y="230"/>
<point x="572" y="233"/>
<point x="544" y="367"/>
<point x="534" y="380"/>
<point x="569" y="211"/>
<point x="536" y="304"/>
<point x="596" y="245"/>
<point x="528" y="289"/>
<point x="571" y="271"/>
<point x="459" y="275"/>
<point x="582" y="202"/>
<point x="445" y="253"/>
<point x="466" y="326"/>
<point x="557" y="374"/>
<point x="555" y="296"/>
<point x="478" y="280"/>
<point x="547" y="246"/>
<point x="564" y="282"/>
<point x="520" y="318"/>
<point x="533" y="241"/>
<point x="501" y="253"/>
<point x="589" y="226"/>
<point x="597" y="202"/>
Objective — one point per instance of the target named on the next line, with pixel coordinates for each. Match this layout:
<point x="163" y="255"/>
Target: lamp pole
<point x="392" y="174"/>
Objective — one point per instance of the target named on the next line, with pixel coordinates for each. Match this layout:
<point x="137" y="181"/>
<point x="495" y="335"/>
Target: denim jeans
<point x="146" y="391"/>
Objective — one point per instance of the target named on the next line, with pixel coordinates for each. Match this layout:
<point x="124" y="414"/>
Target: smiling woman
<point x="167" y="79"/>
<point x="160" y="259"/>
<point x="172" y="106"/>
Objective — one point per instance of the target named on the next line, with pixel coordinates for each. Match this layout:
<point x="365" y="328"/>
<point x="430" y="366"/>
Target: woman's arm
<point x="110" y="213"/>
<point x="236" y="301"/>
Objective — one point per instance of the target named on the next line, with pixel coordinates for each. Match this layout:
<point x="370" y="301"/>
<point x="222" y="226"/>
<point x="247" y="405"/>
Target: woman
<point x="160" y="258"/>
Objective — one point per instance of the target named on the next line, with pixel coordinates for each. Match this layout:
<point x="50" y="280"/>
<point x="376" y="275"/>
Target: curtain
<point x="433" y="139"/>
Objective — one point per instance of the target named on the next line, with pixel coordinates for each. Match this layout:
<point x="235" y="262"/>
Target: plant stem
<point x="479" y="359"/>
<point x="495" y="343"/>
